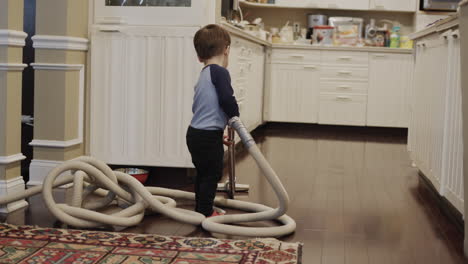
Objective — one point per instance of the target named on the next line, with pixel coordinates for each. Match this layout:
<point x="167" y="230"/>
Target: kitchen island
<point x="435" y="134"/>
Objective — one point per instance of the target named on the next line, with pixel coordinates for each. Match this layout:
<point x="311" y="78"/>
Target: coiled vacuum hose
<point x="91" y="176"/>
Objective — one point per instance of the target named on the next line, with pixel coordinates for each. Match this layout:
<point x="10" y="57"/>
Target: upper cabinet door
<point x="394" y="5"/>
<point x="154" y="12"/>
<point x="345" y="4"/>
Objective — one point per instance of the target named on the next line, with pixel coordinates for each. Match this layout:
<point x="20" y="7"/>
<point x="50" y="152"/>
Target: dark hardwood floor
<point x="354" y="195"/>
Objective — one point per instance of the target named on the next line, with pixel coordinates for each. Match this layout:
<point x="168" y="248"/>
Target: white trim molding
<point x="12" y="66"/>
<point x="39" y="169"/>
<point x="57" y="66"/>
<point x="12" y="38"/>
<point x="81" y="105"/>
<point x="59" y="42"/>
<point x="12" y="186"/>
<point x="55" y="143"/>
<point x="5" y="160"/>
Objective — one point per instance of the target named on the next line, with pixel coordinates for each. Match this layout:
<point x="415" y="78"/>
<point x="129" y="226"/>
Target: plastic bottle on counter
<point x="395" y="37"/>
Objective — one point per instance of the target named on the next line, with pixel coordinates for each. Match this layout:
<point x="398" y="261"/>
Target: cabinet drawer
<point x="344" y="87"/>
<point x="295" y="56"/>
<point x="344" y="73"/>
<point x="345" y="58"/>
<point x="342" y="109"/>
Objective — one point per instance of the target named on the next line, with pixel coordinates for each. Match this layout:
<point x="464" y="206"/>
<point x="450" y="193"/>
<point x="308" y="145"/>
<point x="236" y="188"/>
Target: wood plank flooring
<point x="354" y="195"/>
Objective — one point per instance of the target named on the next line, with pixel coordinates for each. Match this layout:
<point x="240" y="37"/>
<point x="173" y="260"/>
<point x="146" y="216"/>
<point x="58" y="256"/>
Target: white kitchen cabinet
<point x="293" y="95"/>
<point x="343" y="109"/>
<point x="394" y="5"/>
<point x="247" y="67"/>
<point x="141" y="94"/>
<point x="390" y="81"/>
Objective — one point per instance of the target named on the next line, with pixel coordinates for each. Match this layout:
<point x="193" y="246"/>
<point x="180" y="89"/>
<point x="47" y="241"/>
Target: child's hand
<point x="226" y="141"/>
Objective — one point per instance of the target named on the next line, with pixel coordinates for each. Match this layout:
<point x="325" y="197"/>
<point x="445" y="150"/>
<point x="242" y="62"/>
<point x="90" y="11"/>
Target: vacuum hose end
<point x="242" y="131"/>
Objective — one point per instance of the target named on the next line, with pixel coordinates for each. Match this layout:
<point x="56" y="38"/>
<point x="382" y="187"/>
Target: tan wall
<point x="51" y="17"/>
<point x="49" y="106"/>
<point x="10" y="171"/>
<point x="11" y="54"/>
<point x="11" y="14"/>
<point x="57" y="91"/>
<point x="78" y="18"/>
<point x="58" y="154"/>
<point x="10" y="113"/>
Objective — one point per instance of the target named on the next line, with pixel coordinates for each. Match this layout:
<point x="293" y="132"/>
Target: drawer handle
<point x="343" y="98"/>
<point x="310" y="67"/>
<point x="297" y="56"/>
<point x="345" y="72"/>
<point x="344" y="87"/>
<point x="379" y="55"/>
<point x="345" y="58"/>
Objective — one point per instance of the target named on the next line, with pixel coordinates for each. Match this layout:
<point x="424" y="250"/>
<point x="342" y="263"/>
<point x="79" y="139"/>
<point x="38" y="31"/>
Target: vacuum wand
<point x="230" y="186"/>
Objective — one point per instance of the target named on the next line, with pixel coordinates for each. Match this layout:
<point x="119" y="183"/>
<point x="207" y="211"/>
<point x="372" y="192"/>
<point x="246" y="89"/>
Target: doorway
<point x="28" y="86"/>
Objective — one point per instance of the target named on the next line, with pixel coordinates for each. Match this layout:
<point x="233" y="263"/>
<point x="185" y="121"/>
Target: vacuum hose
<point x="91" y="176"/>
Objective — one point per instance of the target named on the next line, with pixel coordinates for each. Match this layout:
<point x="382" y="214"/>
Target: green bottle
<point x="395" y="37"/>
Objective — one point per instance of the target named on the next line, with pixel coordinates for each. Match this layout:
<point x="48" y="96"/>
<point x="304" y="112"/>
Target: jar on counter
<point x="275" y="36"/>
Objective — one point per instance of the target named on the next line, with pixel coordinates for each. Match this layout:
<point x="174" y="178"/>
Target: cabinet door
<point x="394" y="5"/>
<point x="391" y="77"/>
<point x="294" y="93"/>
<point x="140" y="106"/>
<point x="344" y="4"/>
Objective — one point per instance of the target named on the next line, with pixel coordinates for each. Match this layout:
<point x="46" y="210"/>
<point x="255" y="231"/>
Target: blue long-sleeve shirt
<point x="214" y="102"/>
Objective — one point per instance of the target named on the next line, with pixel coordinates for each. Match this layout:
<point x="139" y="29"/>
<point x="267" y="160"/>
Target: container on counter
<point x="348" y="30"/>
<point x="315" y="20"/>
<point x="323" y="35"/>
<point x="406" y="42"/>
<point x="275" y="36"/>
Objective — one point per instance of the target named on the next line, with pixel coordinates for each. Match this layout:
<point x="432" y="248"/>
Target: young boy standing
<point x="213" y="105"/>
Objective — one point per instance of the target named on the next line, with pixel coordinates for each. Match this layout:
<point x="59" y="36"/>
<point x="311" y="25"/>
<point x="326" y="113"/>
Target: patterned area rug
<point x="26" y="244"/>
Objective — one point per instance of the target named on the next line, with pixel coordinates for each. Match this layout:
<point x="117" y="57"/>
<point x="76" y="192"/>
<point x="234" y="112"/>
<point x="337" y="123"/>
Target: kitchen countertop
<point x="442" y="25"/>
<point x="242" y="34"/>
<point x="342" y="48"/>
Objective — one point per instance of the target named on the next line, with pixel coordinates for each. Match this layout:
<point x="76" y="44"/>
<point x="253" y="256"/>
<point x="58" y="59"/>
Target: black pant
<point x="206" y="148"/>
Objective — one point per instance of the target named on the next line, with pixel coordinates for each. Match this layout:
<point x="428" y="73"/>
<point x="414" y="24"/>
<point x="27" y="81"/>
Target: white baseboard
<point x="39" y="169"/>
<point x="12" y="186"/>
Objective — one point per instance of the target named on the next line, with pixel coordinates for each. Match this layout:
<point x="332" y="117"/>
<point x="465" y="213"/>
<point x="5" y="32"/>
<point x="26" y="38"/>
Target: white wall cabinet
<point x="394" y="5"/>
<point x="435" y="135"/>
<point x="326" y="4"/>
<point x="294" y="93"/>
<point x="390" y="81"/>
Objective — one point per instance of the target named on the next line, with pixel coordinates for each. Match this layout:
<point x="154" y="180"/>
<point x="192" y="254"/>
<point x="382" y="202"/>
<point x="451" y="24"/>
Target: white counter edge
<point x="442" y="25"/>
<point x="333" y="48"/>
<point x="241" y="33"/>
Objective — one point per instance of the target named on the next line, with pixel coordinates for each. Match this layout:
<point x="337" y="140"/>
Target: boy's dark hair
<point x="211" y="41"/>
